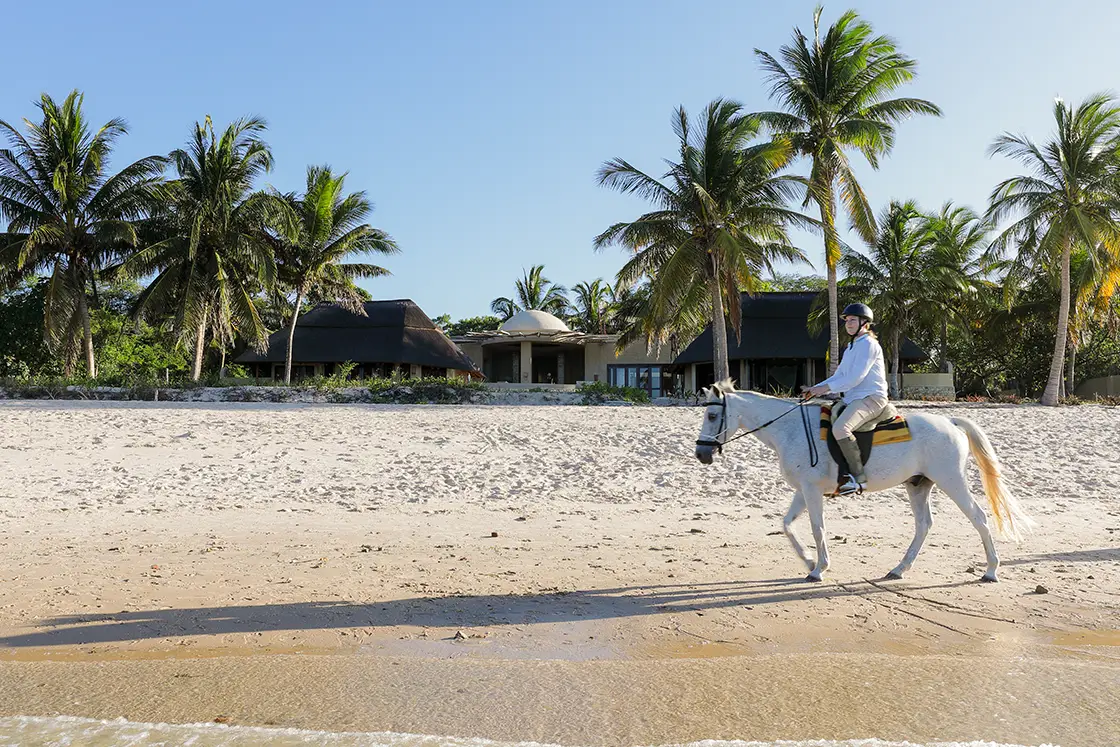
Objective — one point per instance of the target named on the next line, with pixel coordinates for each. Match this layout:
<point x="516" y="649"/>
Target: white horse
<point x="935" y="455"/>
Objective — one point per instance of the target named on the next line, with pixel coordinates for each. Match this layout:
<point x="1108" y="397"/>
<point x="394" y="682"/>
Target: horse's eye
<point x="712" y="416"/>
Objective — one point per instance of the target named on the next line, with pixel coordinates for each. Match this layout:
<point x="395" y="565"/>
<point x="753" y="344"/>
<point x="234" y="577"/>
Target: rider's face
<point x="852" y="324"/>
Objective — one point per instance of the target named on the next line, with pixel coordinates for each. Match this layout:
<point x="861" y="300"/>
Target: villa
<point x="392" y="337"/>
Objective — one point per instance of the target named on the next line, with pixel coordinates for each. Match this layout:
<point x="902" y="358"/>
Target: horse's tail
<point x="1010" y="518"/>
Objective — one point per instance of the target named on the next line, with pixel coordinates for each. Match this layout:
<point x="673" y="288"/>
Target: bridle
<point x="715" y="443"/>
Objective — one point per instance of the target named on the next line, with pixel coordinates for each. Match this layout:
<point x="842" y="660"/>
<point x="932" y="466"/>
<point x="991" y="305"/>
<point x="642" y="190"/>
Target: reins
<point x="806" y="424"/>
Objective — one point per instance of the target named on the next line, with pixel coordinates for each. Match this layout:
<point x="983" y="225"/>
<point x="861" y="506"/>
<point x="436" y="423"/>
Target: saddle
<point x="888" y="428"/>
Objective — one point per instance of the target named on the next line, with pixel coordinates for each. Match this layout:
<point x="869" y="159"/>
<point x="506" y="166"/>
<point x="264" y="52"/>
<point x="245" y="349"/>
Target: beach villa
<point x="538" y="349"/>
<point x="392" y="337"/>
<point x="776" y="352"/>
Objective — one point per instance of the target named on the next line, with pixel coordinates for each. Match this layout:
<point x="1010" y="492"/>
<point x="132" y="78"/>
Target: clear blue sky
<point x="476" y="128"/>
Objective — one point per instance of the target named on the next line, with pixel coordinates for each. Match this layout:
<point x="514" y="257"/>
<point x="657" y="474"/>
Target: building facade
<point x="535" y="348"/>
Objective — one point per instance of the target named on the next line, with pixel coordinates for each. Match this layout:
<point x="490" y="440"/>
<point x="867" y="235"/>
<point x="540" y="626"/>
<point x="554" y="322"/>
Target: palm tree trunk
<point x="87" y="334"/>
<point x="200" y="342"/>
<point x="292" y="337"/>
<point x="1071" y="383"/>
<point x="719" y="327"/>
<point x="829" y="223"/>
<point x="944" y="366"/>
<point x="1050" y="395"/>
<point x="896" y="367"/>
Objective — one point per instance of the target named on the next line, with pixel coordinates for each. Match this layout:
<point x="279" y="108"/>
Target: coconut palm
<point x="214" y="254"/>
<point x="593" y="306"/>
<point x="1069" y="201"/>
<point x="314" y="235"/>
<point x="720" y="221"/>
<point x="504" y="307"/>
<point x="893" y="277"/>
<point x="834" y="91"/>
<point x="533" y="292"/>
<point x="67" y="215"/>
<point x="957" y="239"/>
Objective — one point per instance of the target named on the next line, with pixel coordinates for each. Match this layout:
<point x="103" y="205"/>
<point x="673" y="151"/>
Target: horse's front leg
<point x="796" y="508"/>
<point x="814" y="501"/>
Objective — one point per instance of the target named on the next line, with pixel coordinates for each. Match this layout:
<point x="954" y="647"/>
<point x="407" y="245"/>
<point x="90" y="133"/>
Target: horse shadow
<point x="450" y="611"/>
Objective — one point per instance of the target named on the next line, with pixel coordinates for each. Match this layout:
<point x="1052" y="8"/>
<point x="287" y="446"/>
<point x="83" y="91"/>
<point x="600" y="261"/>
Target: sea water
<point x="66" y="731"/>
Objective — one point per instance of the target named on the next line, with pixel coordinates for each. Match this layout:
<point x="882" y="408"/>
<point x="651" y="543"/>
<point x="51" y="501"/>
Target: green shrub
<point x="598" y="392"/>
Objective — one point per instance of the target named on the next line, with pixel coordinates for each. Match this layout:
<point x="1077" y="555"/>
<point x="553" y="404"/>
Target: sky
<point x="476" y="128"/>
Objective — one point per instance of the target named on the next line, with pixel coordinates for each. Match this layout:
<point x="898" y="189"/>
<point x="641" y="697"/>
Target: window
<point x="654" y="379"/>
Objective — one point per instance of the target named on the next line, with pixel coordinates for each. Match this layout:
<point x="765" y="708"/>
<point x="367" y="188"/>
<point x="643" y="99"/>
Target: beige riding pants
<point x="858" y="413"/>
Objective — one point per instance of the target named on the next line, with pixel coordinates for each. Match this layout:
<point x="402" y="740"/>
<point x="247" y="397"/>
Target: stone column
<point x="560" y="369"/>
<point x="526" y="362"/>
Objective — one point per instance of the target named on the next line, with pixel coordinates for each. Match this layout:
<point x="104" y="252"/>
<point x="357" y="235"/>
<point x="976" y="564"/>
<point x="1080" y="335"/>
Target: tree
<point x="719" y="221"/>
<point x="790" y="283"/>
<point x="593" y="306"/>
<point x="314" y="235"/>
<point x="67" y="216"/>
<point x="213" y="253"/>
<point x="533" y="292"/>
<point x="834" y="97"/>
<point x="1069" y="201"/>
<point x="472" y="324"/>
<point x="893" y="277"/>
<point x="957" y="239"/>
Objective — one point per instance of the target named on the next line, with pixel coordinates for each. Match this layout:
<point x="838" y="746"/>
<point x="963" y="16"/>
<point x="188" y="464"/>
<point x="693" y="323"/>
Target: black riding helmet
<point x="859" y="309"/>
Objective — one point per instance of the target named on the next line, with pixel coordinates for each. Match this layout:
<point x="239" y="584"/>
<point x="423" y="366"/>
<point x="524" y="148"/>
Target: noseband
<point x="715" y="442"/>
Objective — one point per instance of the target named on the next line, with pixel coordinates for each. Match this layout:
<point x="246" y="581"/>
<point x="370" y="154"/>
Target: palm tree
<point x="319" y="230"/>
<point x="720" y="221"/>
<point x="1069" y="201"/>
<point x="892" y="278"/>
<point x="957" y="238"/>
<point x="67" y="215"/>
<point x="593" y="306"/>
<point x="534" y="292"/>
<point x="504" y="307"/>
<point x="833" y="92"/>
<point x="214" y="254"/>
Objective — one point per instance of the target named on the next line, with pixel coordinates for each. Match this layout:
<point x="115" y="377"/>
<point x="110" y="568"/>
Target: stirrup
<point x="850" y="487"/>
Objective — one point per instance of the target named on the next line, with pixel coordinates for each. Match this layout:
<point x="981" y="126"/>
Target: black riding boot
<point x="857" y="481"/>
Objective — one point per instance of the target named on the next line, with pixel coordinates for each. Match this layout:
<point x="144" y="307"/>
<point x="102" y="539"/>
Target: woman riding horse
<point x="862" y="379"/>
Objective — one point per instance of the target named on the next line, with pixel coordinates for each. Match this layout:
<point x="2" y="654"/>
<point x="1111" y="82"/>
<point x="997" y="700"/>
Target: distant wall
<point x="1103" y="386"/>
<point x="928" y="386"/>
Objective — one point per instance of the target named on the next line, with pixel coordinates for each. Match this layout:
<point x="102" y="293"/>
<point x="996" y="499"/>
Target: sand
<point x="561" y="574"/>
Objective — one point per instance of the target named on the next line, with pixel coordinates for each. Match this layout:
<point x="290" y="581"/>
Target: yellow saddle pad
<point x="891" y="431"/>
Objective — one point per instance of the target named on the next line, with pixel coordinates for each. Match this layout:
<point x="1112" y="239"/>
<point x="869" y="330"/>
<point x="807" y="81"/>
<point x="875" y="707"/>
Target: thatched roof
<point x="395" y="332"/>
<point x="775" y="326"/>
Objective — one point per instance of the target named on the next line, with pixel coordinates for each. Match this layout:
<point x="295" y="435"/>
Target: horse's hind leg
<point x="796" y="508"/>
<point x="923" y="520"/>
<point x="956" y="487"/>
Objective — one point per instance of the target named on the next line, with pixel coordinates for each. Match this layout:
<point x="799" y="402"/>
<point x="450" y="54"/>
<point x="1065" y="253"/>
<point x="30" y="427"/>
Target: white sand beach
<point x="567" y="575"/>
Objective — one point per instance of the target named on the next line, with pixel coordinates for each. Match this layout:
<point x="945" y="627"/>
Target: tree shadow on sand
<point x="466" y="611"/>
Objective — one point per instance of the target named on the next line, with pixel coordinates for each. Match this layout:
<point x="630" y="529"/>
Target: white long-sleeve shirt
<point x="862" y="371"/>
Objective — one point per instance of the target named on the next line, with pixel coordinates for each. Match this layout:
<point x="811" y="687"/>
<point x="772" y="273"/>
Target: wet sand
<point x="337" y="568"/>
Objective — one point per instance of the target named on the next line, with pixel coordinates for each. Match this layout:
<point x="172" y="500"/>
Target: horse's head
<point x="716" y="428"/>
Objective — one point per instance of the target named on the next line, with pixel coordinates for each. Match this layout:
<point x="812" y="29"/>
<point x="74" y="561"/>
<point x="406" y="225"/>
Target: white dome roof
<point x="534" y="321"/>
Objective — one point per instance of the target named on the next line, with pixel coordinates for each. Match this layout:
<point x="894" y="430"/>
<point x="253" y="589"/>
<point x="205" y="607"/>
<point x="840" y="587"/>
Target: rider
<point x="862" y="378"/>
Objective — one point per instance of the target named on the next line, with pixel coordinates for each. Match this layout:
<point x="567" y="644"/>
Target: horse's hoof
<point x="813" y="579"/>
<point x="989" y="578"/>
<point x="893" y="576"/>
